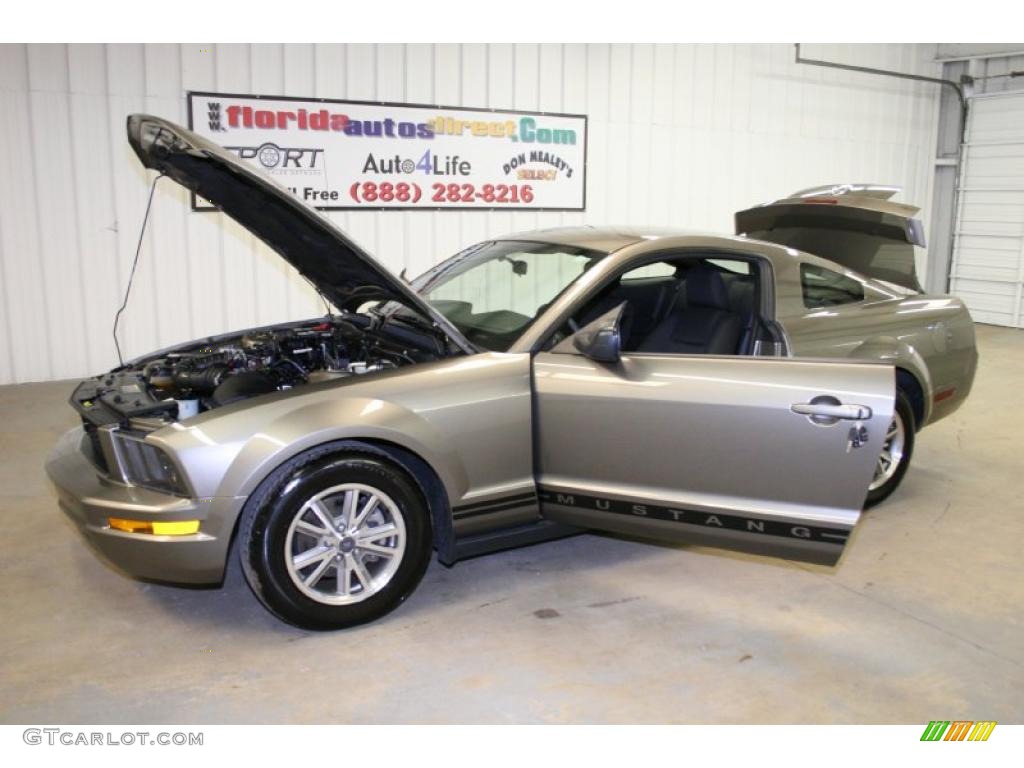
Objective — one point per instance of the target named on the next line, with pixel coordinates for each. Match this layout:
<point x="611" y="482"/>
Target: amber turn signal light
<point x="157" y="527"/>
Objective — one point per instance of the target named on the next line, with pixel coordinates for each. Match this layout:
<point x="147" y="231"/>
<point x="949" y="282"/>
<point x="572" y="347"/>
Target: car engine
<point x="188" y="380"/>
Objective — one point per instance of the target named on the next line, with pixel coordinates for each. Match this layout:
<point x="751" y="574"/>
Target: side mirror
<point x="600" y="339"/>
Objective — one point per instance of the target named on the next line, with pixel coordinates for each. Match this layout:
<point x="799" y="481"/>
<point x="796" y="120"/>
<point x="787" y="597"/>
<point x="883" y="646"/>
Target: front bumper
<point x="89" y="498"/>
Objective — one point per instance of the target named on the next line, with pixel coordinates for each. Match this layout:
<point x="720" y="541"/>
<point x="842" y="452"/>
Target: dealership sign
<point x="338" y="155"/>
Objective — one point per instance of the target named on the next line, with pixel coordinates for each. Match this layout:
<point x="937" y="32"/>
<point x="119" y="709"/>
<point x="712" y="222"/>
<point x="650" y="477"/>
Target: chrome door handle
<point x="830" y="413"/>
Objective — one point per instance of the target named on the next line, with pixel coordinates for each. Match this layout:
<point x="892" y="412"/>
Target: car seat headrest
<point x="706" y="288"/>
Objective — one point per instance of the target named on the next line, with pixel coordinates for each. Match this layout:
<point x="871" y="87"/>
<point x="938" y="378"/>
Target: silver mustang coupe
<point x="730" y="391"/>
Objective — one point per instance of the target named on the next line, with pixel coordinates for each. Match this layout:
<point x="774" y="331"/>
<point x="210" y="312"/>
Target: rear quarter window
<point x="827" y="288"/>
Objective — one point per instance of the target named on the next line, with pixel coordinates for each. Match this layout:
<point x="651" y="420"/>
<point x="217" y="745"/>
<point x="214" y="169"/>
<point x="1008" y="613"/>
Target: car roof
<point x="605" y="238"/>
<point x="610" y="239"/>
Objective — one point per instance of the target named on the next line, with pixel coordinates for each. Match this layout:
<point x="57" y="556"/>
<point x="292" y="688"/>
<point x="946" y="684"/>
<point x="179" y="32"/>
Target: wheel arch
<point x="384" y="428"/>
<point x="267" y="444"/>
<point x="908" y="383"/>
<point x="911" y="371"/>
<point x="426" y="479"/>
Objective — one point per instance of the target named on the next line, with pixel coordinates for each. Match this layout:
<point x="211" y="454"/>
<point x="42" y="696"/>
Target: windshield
<point x="493" y="291"/>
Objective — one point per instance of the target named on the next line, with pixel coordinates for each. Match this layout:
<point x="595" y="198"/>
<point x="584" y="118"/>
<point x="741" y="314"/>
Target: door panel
<point x="709" y="449"/>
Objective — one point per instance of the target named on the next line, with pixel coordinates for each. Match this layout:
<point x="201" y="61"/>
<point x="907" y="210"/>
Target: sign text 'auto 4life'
<point x="349" y="155"/>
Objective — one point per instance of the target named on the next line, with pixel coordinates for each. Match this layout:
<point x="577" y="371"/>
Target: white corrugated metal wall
<point x="679" y="135"/>
<point x="988" y="248"/>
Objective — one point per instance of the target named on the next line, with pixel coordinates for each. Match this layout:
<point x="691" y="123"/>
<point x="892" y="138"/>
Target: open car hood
<point x="855" y="225"/>
<point x="310" y="242"/>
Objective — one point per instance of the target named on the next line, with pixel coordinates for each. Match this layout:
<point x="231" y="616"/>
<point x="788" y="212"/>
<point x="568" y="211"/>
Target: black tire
<point x="905" y="412"/>
<point x="263" y="537"/>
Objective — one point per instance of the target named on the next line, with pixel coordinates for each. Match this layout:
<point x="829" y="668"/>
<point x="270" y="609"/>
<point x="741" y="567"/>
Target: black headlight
<point x="147" y="465"/>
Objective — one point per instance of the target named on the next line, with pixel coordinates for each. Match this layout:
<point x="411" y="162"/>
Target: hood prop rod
<point x="135" y="263"/>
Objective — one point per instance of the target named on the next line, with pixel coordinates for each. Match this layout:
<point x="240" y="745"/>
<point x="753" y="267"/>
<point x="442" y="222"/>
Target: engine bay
<point x="184" y="381"/>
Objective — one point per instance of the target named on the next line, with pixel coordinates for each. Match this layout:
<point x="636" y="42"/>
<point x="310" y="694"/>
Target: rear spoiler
<point x="864" y="209"/>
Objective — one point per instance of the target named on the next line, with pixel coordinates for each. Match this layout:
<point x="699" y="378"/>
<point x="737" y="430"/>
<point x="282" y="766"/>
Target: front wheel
<point x="897" y="448"/>
<point x="336" y="541"/>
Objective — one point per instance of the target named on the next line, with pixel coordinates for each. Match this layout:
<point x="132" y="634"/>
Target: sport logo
<point x="271" y="156"/>
<point x="958" y="730"/>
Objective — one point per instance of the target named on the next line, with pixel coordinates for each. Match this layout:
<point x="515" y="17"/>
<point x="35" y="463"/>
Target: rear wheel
<point x="897" y="448"/>
<point x="335" y="542"/>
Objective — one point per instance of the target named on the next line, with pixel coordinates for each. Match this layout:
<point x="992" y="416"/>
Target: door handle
<point x="830" y="413"/>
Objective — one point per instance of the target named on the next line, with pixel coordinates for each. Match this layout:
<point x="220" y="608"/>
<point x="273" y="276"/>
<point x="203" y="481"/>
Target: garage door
<point x="988" y="253"/>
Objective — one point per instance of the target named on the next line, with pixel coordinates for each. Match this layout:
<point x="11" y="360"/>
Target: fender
<point x="227" y="452"/>
<point x="355" y="418"/>
<point x="900" y="354"/>
<point x="306" y="426"/>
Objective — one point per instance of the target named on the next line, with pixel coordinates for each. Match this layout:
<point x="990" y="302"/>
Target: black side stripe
<point x="707" y="520"/>
<point x="499" y="505"/>
<point x="489" y="510"/>
<point x="522" y="498"/>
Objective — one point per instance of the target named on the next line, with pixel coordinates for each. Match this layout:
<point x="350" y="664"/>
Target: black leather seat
<point x="702" y="324"/>
<point x="648" y="298"/>
<point x="741" y="302"/>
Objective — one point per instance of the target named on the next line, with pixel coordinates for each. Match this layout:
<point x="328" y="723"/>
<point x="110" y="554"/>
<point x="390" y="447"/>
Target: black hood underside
<point x="343" y="272"/>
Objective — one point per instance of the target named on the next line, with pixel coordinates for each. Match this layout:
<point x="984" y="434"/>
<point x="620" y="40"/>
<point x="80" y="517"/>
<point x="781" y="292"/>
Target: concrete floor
<point x="921" y="621"/>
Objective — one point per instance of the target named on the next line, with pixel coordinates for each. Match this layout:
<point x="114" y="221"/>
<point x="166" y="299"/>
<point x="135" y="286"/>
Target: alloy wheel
<point x="345" y="544"/>
<point x="892" y="453"/>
